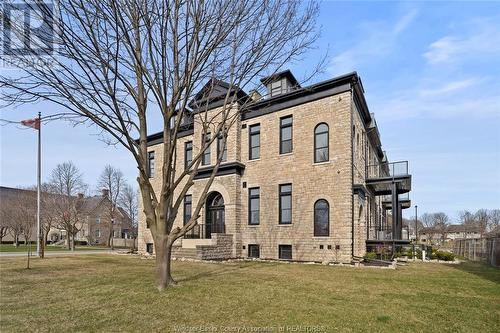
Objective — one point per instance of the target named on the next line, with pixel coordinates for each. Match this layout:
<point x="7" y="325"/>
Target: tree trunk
<point x="163" y="249"/>
<point x="42" y="247"/>
<point x="29" y="253"/>
<point x="68" y="240"/>
<point x="16" y="240"/>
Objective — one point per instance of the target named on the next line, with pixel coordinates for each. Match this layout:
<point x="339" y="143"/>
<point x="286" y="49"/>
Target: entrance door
<point x="214" y="215"/>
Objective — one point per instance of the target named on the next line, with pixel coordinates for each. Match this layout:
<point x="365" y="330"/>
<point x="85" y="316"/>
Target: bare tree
<point x="14" y="225"/>
<point x="112" y="182"/>
<point x="67" y="184"/>
<point x="441" y="222"/>
<point x="4" y="221"/>
<point x="468" y="220"/>
<point x="22" y="207"/>
<point x="494" y="220"/>
<point x="48" y="215"/>
<point x="122" y="65"/>
<point x="427" y="220"/>
<point x="482" y="217"/>
<point x="128" y="201"/>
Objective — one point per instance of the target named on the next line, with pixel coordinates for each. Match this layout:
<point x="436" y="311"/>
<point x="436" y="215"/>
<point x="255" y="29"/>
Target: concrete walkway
<point x="60" y="253"/>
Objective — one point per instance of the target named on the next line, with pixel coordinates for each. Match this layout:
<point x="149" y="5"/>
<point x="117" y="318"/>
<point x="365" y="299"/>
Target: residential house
<point x="436" y="235"/>
<point x="95" y="219"/>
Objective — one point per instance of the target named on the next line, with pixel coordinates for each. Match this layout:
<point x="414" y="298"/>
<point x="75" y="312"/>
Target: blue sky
<point x="431" y="72"/>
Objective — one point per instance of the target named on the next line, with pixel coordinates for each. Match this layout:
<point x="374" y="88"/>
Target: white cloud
<point x="379" y="40"/>
<point x="482" y="39"/>
<point x="451" y="87"/>
<point x="446" y="103"/>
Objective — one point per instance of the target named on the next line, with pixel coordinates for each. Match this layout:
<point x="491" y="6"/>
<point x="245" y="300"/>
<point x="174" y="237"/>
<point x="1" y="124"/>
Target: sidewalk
<point x="59" y="253"/>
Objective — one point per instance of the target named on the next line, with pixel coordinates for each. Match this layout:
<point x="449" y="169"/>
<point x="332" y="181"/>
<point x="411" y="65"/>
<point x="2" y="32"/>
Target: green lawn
<point x="114" y="293"/>
<point x="24" y="248"/>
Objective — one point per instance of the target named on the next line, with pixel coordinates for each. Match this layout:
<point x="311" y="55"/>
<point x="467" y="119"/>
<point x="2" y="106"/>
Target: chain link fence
<point x="479" y="249"/>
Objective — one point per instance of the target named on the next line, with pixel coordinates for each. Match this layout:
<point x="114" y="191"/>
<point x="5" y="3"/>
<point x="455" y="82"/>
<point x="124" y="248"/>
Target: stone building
<point x="304" y="177"/>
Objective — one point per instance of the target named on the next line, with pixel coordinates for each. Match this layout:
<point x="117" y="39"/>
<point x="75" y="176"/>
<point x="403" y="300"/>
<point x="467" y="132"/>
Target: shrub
<point x="445" y="256"/>
<point x="370" y="255"/>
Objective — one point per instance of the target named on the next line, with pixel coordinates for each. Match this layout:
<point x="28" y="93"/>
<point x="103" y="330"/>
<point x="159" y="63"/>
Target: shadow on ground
<point x="479" y="269"/>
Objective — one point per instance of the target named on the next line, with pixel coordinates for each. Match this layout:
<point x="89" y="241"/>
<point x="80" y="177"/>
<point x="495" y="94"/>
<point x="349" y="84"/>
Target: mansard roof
<point x="214" y="92"/>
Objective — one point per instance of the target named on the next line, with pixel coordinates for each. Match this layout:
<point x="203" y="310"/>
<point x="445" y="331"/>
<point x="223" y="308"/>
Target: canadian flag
<point x="33" y="123"/>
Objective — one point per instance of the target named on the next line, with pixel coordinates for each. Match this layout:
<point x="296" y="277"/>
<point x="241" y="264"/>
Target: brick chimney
<point x="105" y="192"/>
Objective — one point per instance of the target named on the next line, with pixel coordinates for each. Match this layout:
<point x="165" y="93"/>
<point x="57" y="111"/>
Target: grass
<point x="112" y="293"/>
<point x="24" y="248"/>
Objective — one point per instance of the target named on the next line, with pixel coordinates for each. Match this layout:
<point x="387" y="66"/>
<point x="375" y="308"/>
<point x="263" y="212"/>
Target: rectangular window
<point x="149" y="248"/>
<point x="206" y="154"/>
<point x="254" y="206"/>
<point x="285" y="204"/>
<point x="188" y="154"/>
<point x="221" y="147"/>
<point x="254" y="142"/>
<point x="98" y="220"/>
<point x="285" y="252"/>
<point x="98" y="233"/>
<point x="286" y="135"/>
<point x="276" y="88"/>
<point x="253" y="251"/>
<point x="151" y="164"/>
<point x="188" y="204"/>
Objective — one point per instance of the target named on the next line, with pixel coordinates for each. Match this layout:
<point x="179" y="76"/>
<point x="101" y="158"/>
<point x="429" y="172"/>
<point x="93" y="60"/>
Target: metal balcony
<point x="381" y="177"/>
<point x="403" y="199"/>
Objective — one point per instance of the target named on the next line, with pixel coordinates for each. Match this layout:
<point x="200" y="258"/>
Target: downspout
<point x="353" y="135"/>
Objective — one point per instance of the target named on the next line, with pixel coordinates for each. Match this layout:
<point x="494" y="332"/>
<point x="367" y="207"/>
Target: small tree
<point x="112" y="182"/>
<point x="440" y="222"/>
<point x="482" y="217"/>
<point x="23" y="205"/>
<point x="128" y="201"/>
<point x="68" y="185"/>
<point x="494" y="220"/>
<point x="4" y="221"/>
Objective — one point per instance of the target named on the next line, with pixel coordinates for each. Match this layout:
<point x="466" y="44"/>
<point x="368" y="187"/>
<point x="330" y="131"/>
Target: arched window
<point x="321" y="153"/>
<point x="321" y="218"/>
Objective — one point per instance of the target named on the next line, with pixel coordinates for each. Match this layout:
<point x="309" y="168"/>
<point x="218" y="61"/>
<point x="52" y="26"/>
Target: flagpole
<point x="39" y="174"/>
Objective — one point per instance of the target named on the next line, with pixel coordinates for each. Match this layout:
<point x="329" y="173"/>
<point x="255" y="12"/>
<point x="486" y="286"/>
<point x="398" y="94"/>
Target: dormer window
<point x="280" y="83"/>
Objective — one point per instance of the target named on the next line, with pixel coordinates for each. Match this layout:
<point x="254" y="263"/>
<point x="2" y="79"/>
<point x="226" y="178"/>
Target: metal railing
<point x="402" y="197"/>
<point x="201" y="231"/>
<point x="382" y="170"/>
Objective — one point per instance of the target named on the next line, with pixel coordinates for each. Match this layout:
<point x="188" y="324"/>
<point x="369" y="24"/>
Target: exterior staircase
<point x="222" y="248"/>
<point x="179" y="252"/>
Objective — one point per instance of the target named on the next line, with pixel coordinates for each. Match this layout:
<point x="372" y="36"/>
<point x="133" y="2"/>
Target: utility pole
<point x="38" y="188"/>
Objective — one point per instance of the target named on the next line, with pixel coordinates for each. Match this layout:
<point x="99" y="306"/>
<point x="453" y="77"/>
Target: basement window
<point x="285" y="252"/>
<point x="253" y="251"/>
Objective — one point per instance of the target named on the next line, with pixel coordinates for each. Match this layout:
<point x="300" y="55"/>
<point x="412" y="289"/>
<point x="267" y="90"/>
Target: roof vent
<point x="280" y="83"/>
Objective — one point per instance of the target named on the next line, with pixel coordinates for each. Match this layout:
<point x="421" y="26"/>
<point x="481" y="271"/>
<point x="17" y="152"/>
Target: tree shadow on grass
<point x="220" y="269"/>
<point x="479" y="269"/>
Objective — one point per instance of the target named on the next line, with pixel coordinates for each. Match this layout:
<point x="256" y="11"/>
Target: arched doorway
<point x="214" y="222"/>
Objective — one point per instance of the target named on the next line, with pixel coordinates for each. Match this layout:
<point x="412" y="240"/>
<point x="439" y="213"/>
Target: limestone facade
<point x="340" y="180"/>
